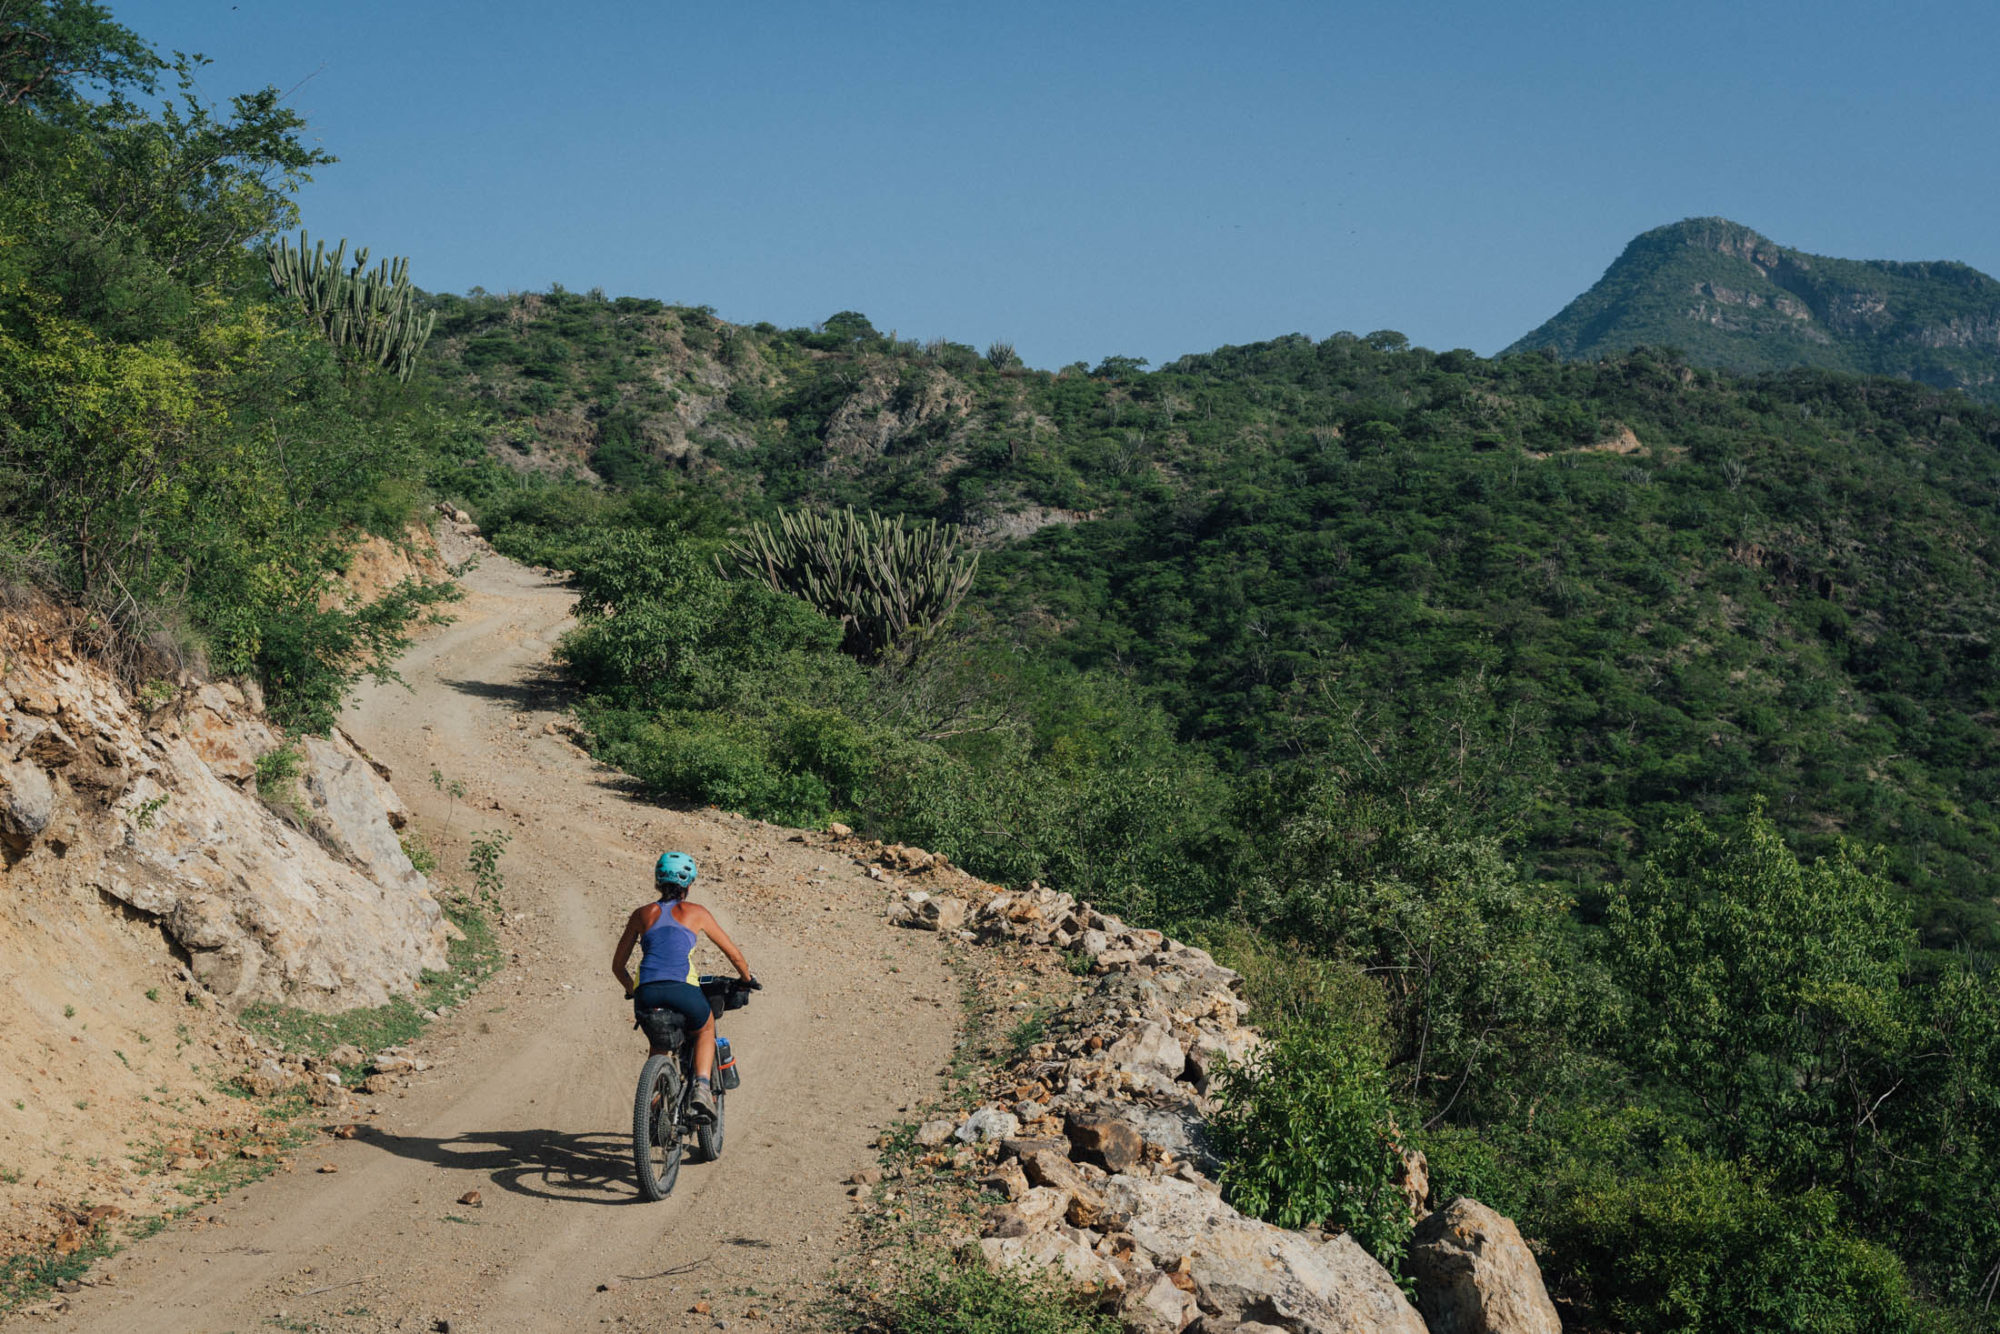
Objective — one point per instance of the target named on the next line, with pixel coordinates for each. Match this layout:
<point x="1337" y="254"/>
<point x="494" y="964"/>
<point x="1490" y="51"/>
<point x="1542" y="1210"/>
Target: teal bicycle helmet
<point x="673" y="873"/>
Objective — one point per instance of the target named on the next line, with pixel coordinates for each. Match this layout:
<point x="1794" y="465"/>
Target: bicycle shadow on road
<point x="594" y="1167"/>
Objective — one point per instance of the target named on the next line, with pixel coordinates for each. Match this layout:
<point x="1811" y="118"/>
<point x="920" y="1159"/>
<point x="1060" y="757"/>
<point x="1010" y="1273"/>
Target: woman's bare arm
<point x="706" y="924"/>
<point x="623" y="954"/>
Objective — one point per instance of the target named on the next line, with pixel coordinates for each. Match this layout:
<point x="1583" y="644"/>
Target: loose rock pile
<point x="1095" y="1136"/>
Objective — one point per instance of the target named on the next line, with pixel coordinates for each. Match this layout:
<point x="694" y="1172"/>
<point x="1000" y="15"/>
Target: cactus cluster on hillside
<point x="892" y="584"/>
<point x="370" y="317"/>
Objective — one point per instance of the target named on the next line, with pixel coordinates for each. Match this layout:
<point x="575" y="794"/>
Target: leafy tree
<point x="1704" y="1248"/>
<point x="1767" y="990"/>
<point x="48" y="48"/>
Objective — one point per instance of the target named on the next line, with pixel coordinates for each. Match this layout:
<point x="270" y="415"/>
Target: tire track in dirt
<point x="529" y="1098"/>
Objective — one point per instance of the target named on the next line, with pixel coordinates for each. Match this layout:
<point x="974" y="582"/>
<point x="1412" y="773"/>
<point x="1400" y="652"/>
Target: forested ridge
<point x="1586" y="763"/>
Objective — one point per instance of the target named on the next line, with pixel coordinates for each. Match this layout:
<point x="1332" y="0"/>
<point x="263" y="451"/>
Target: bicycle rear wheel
<point x="708" y="1138"/>
<point x="656" y="1127"/>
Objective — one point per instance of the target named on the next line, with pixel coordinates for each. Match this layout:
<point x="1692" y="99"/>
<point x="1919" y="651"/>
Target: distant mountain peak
<point x="1728" y="296"/>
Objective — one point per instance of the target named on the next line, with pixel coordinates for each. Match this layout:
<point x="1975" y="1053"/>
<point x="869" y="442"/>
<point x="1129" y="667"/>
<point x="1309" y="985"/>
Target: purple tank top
<point x="668" y="949"/>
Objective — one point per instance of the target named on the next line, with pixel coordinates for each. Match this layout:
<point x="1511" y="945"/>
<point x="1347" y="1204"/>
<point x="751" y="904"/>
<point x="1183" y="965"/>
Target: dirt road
<point x="528" y="1100"/>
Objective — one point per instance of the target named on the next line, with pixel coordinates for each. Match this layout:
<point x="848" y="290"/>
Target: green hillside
<point x="1692" y="591"/>
<point x="1729" y="298"/>
<point x="1588" y="764"/>
<point x="1591" y="756"/>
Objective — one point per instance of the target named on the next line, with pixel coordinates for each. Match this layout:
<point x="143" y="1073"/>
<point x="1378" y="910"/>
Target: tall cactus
<point x="892" y="584"/>
<point x="370" y="318"/>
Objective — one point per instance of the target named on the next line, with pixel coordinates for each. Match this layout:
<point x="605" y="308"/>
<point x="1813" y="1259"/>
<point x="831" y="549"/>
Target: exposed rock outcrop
<point x="1108" y="1183"/>
<point x="1244" y="1269"/>
<point x="1475" y="1275"/>
<point x="376" y="565"/>
<point x="159" y="811"/>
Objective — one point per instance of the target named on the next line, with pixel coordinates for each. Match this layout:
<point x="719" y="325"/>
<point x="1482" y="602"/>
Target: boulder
<point x="1078" y="1265"/>
<point x="929" y="912"/>
<point x="27" y="801"/>
<point x="1155" y="1304"/>
<point x="1475" y="1275"/>
<point x="1039" y="1209"/>
<point x="268" y="1078"/>
<point x="988" y="1124"/>
<point x="1049" y="1169"/>
<point x="1210" y="1049"/>
<point x="1007" y="1179"/>
<point x="1148" y="1049"/>
<point x="1174" y="1128"/>
<point x="1245" y="1270"/>
<point x="933" y="1133"/>
<point x="1108" y="1141"/>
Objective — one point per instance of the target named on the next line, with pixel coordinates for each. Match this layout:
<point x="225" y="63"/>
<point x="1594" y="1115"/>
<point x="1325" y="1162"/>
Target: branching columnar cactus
<point x="892" y="584"/>
<point x="370" y="318"/>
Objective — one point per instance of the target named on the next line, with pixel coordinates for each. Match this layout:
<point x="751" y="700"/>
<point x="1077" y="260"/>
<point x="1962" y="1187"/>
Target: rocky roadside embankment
<point x="1095" y="1136"/>
<point x="150" y="887"/>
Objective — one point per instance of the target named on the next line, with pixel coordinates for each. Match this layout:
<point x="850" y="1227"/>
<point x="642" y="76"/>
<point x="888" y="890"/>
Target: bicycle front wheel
<point x="656" y="1127"/>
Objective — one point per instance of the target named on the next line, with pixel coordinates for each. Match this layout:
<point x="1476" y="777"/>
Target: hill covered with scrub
<point x="1730" y="298"/>
<point x="1632" y="591"/>
<point x="1586" y="765"/>
<point x="1586" y="761"/>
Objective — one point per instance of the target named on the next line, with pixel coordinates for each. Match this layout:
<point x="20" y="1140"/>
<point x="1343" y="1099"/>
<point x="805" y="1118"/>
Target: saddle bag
<point x="664" y="1028"/>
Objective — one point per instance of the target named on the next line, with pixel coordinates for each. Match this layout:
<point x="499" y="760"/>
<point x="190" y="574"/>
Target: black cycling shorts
<point x="682" y="997"/>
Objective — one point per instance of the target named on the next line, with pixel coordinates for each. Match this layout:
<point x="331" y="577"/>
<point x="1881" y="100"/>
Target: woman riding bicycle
<point x="666" y="931"/>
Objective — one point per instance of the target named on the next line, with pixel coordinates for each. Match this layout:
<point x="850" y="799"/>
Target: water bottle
<point x="726" y="1077"/>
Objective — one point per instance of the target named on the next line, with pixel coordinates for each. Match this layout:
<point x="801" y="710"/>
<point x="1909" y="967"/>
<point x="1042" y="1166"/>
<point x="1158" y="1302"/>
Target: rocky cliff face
<point x="150" y="884"/>
<point x="300" y="894"/>
<point x="1733" y="299"/>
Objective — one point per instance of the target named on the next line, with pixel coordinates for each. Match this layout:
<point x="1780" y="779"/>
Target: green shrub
<point x="307" y="656"/>
<point x="827" y="744"/>
<point x="1707" y="1248"/>
<point x="971" y="1299"/>
<point x="698" y="761"/>
<point x="277" y="769"/>
<point x="1304" y="1134"/>
<point x="1289" y="987"/>
<point x="713" y="759"/>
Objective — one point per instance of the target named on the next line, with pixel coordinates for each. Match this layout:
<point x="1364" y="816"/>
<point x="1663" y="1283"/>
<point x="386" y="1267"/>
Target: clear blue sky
<point x="1145" y="180"/>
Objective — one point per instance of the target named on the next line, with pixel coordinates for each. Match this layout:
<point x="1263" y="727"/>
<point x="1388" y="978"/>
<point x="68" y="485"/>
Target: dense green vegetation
<point x="1730" y="298"/>
<point x="1775" y="589"/>
<point x="1610" y="738"/>
<point x="1587" y="764"/>
<point x="182" y="456"/>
